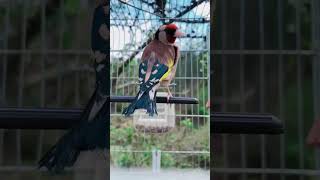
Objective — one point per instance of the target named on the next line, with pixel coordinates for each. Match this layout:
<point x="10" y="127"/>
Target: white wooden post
<point x="156" y="160"/>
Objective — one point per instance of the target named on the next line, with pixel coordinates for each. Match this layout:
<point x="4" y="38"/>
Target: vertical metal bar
<point x="280" y="85"/>
<point x="1" y="146"/>
<point x="59" y="63"/>
<point x="242" y="86"/>
<point x="207" y="74"/>
<point x="60" y="66"/>
<point x="88" y="156"/>
<point x="77" y="73"/>
<point x="316" y="65"/>
<point x="299" y="87"/>
<point x="21" y="79"/>
<point x="22" y="60"/>
<point x="224" y="83"/>
<point x="4" y="68"/>
<point x="180" y="88"/>
<point x="39" y="148"/>
<point x="133" y="39"/>
<point x="210" y="58"/>
<point x="43" y="82"/>
<point x="192" y="94"/>
<point x="185" y="81"/>
<point x="5" y="56"/>
<point x="192" y="82"/>
<point x="262" y="83"/>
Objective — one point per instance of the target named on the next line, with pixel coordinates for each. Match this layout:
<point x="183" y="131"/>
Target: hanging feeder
<point x="161" y="123"/>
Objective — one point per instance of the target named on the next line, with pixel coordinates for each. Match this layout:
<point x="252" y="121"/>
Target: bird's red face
<point x="172" y="32"/>
<point x="169" y="33"/>
<point x="171" y="39"/>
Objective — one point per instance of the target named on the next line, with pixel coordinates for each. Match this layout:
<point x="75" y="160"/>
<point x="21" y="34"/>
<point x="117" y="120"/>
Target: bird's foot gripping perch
<point x="169" y="94"/>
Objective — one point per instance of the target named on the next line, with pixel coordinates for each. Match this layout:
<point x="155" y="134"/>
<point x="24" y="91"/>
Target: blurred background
<point x="266" y="60"/>
<point x="45" y="62"/>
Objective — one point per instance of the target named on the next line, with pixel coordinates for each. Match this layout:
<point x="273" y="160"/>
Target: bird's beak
<point x="178" y="33"/>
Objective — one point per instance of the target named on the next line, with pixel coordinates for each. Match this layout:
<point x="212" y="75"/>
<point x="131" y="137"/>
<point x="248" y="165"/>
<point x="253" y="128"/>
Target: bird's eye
<point x="170" y="31"/>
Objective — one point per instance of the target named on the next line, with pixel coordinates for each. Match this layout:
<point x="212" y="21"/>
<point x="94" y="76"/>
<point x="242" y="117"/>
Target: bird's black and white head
<point x="167" y="34"/>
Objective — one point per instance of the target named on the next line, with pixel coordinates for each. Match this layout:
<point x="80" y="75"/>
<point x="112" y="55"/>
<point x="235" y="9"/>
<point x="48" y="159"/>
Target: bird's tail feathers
<point x="63" y="154"/>
<point x="144" y="100"/>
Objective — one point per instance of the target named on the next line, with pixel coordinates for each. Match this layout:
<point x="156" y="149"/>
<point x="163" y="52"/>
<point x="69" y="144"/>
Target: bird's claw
<point x="169" y="96"/>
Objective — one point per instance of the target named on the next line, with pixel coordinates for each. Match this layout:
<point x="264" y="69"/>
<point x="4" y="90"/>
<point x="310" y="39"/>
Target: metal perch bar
<point x="172" y="100"/>
<point x="44" y="118"/>
<point x="234" y="123"/>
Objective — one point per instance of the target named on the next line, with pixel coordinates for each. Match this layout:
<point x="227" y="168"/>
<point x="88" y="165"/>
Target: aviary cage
<point x="182" y="130"/>
<point x="58" y="74"/>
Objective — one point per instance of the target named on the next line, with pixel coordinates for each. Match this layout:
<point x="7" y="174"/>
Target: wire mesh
<point x="266" y="72"/>
<point x="133" y="24"/>
<point x="264" y="62"/>
<point x="45" y="62"/>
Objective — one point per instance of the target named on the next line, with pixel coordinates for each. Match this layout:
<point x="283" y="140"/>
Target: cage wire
<point x="44" y="62"/>
<point x="185" y="143"/>
<point x="259" y="69"/>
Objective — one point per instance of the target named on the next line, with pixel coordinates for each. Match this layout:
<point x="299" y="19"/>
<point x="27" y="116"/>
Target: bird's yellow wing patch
<point x="170" y="65"/>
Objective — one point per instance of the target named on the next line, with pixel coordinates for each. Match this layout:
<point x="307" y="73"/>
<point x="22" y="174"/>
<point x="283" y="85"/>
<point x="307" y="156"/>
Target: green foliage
<point x="67" y="39"/>
<point x="185" y="137"/>
<point x="187" y="123"/>
<point x="167" y="160"/>
<point x="203" y="59"/>
<point x="203" y="98"/>
<point x="72" y="7"/>
<point x="121" y="135"/>
<point x="203" y="91"/>
<point x="125" y="160"/>
<point x="292" y="126"/>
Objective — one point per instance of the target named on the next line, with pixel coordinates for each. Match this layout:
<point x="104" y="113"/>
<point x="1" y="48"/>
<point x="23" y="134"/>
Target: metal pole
<point x="44" y="118"/>
<point x="316" y="65"/>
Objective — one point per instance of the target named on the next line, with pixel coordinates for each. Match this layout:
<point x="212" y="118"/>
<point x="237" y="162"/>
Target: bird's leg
<point x="169" y="94"/>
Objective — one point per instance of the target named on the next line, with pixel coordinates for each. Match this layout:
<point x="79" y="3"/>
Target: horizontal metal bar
<point x="265" y="52"/>
<point x="16" y="169"/>
<point x="203" y="20"/>
<point x="186" y="152"/>
<point x="47" y="51"/>
<point x="297" y="172"/>
<point x="234" y="123"/>
<point x="218" y="52"/>
<point x="172" y="100"/>
<point x="43" y="118"/>
<point x="38" y="118"/>
<point x="150" y="151"/>
<point x="178" y="77"/>
<point x="71" y="51"/>
<point x="177" y="115"/>
<point x="83" y="170"/>
<point x="181" y="50"/>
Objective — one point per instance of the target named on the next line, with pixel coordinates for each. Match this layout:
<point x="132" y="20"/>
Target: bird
<point x="91" y="132"/>
<point x="157" y="67"/>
